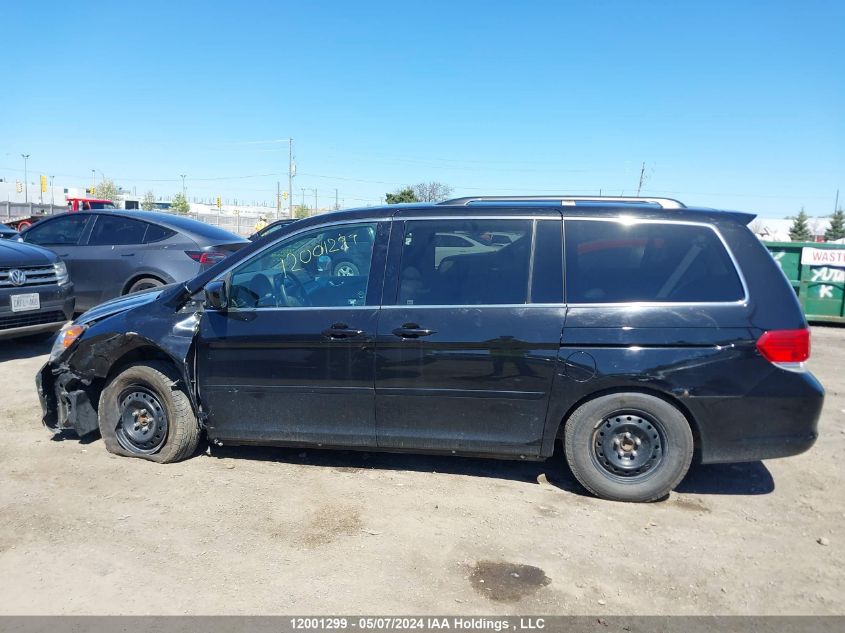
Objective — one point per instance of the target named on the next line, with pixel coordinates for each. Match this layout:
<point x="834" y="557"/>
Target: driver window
<point x="326" y="267"/>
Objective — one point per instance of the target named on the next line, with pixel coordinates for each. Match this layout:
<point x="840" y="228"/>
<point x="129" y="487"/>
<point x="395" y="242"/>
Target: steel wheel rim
<point x="142" y="420"/>
<point x="628" y="445"/>
<point x="345" y="270"/>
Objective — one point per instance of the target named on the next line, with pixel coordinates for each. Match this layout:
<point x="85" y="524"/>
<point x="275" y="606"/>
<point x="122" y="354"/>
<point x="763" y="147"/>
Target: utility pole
<point x="315" y="201"/>
<point x="336" y="205"/>
<point x="278" y="200"/>
<point x="52" y="192"/>
<point x="836" y="204"/>
<point x="302" y="206"/>
<point x="93" y="180"/>
<point x="642" y="174"/>
<point x="183" y="184"/>
<point x="25" y="183"/>
<point x="290" y="174"/>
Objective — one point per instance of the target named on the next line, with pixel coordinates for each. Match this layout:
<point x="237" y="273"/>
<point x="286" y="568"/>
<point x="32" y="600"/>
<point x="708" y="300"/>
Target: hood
<point x="14" y="253"/>
<point x="121" y="304"/>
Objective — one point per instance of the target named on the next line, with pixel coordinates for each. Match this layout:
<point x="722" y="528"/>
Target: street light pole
<point x="25" y="183"/>
<point x="183" y="183"/>
<point x="93" y="180"/>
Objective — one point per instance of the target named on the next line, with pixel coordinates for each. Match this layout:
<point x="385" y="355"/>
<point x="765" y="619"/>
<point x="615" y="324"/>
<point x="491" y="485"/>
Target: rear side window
<point x="459" y="262"/>
<point x="156" y="233"/>
<point x="613" y="262"/>
<point x="115" y="230"/>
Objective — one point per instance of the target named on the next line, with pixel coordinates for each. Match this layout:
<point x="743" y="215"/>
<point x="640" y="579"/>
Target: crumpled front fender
<point x="65" y="401"/>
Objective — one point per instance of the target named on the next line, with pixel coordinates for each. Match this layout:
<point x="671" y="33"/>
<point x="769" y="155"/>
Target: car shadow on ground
<point x="18" y="349"/>
<point x="63" y="436"/>
<point x="712" y="479"/>
<point x="752" y="478"/>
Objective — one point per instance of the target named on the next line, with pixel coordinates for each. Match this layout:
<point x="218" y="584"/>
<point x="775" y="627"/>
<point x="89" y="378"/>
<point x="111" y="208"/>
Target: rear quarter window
<point x="621" y="262"/>
<point x="156" y="233"/>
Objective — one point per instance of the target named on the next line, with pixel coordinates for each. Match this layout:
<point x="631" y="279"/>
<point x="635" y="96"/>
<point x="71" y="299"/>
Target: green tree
<point x="180" y="204"/>
<point x="800" y="231"/>
<point x="107" y="190"/>
<point x="836" y="230"/>
<point x="301" y="211"/>
<point x="406" y="194"/>
<point x="148" y="202"/>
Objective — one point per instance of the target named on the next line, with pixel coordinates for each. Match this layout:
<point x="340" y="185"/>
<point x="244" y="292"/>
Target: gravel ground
<point x="273" y="531"/>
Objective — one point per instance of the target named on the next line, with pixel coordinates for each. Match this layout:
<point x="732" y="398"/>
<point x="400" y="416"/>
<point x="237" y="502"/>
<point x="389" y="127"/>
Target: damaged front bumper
<point x="65" y="400"/>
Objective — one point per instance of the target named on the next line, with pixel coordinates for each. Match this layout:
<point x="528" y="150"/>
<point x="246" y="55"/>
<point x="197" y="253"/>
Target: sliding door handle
<point x="412" y="330"/>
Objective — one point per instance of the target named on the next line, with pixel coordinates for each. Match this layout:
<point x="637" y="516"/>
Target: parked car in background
<point x="89" y="204"/>
<point x="36" y="295"/>
<point x="112" y="252"/>
<point x="8" y="233"/>
<point x="33" y="214"/>
<point x="271" y="228"/>
<point x="637" y="332"/>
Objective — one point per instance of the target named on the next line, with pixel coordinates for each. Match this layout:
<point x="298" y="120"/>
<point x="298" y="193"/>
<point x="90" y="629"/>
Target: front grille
<point x="37" y="318"/>
<point x="35" y="276"/>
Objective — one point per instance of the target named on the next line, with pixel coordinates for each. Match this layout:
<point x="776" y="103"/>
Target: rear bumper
<point x="57" y="305"/>
<point x="777" y="418"/>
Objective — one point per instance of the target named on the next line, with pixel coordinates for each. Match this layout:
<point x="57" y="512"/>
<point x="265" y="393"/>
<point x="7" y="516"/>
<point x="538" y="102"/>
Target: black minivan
<point x="639" y="332"/>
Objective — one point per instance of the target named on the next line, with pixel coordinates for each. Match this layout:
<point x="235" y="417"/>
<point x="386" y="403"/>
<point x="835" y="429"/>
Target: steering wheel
<point x="290" y="286"/>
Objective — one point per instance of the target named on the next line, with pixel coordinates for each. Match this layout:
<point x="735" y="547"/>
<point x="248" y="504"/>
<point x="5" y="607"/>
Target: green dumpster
<point x="817" y="273"/>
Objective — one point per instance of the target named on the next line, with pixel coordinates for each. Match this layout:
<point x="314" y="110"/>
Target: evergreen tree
<point x="180" y="205"/>
<point x="799" y="231"/>
<point x="836" y="230"/>
<point x="401" y="195"/>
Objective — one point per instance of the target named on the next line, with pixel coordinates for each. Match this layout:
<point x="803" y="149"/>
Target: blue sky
<point x="735" y="105"/>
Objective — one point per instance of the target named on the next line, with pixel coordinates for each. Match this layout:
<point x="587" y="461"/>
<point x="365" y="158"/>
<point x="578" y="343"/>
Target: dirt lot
<point x="287" y="531"/>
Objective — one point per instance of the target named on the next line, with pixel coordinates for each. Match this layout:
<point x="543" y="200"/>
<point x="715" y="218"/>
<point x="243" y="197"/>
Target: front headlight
<point x="61" y="272"/>
<point x="67" y="337"/>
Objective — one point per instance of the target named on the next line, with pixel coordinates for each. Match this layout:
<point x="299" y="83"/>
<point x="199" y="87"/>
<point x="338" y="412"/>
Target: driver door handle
<point x="412" y="330"/>
<point x="341" y="330"/>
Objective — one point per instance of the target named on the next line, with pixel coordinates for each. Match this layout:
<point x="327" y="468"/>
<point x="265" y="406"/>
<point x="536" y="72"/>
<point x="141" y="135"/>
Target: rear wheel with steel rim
<point x="346" y="269"/>
<point x="144" y="412"/>
<point x="628" y="446"/>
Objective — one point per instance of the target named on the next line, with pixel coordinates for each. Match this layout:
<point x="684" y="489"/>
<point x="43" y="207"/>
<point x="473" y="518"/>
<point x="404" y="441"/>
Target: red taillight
<point x="785" y="346"/>
<point x="207" y="257"/>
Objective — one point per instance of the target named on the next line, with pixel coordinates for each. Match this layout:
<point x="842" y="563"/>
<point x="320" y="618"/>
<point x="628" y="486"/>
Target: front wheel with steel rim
<point x="628" y="446"/>
<point x="142" y="425"/>
<point x="144" y="412"/>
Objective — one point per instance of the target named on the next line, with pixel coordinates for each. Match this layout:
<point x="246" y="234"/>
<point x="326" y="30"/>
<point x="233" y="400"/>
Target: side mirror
<point x="215" y="294"/>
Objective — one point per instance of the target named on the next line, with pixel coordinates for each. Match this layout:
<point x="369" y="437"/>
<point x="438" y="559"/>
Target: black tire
<point x="346" y="269"/>
<point x="169" y="431"/>
<point x="145" y="283"/>
<point x="628" y="446"/>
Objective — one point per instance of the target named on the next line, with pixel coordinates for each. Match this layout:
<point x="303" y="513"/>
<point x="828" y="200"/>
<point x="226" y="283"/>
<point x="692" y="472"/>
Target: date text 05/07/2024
<point x="418" y="623"/>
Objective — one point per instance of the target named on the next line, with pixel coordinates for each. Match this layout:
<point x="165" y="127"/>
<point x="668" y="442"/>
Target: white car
<point x="448" y="244"/>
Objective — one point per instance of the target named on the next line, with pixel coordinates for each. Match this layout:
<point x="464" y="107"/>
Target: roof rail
<point x="665" y="203"/>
